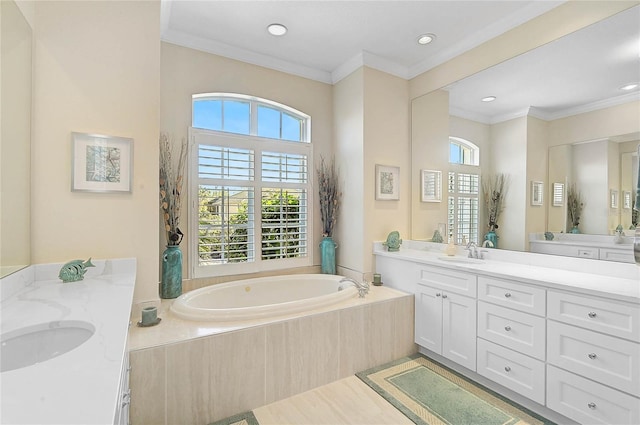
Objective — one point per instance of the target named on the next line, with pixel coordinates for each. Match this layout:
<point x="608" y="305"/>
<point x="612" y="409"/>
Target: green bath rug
<point x="429" y="393"/>
<point x="246" y="418"/>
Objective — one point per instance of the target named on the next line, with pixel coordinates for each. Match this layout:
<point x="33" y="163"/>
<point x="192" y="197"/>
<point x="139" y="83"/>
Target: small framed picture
<point x="387" y="183"/>
<point x="101" y="163"/>
<point x="558" y="194"/>
<point x="613" y="194"/>
<point x="626" y="200"/>
<point x="536" y="193"/>
<point x="431" y="185"/>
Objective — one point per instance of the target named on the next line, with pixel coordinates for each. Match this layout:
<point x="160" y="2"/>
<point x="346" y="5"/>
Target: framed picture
<point x="536" y="193"/>
<point x="431" y="185"/>
<point x="626" y="200"/>
<point x="613" y="194"/>
<point x="387" y="183"/>
<point x="558" y="194"/>
<point x="101" y="163"/>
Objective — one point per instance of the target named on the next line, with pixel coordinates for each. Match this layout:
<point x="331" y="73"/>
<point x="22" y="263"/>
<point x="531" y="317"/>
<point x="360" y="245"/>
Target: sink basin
<point x="461" y="260"/>
<point x="36" y="344"/>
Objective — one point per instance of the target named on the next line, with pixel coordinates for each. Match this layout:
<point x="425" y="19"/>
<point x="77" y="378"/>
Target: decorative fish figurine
<point x="74" y="270"/>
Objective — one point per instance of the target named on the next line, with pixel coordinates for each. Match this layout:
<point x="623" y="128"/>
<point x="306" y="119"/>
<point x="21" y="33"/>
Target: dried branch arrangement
<point x="171" y="179"/>
<point x="328" y="189"/>
<point x="494" y="189"/>
<point x="575" y="204"/>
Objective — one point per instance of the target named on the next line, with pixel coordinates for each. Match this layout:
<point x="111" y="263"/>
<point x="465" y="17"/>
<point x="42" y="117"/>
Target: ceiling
<point x="327" y="40"/>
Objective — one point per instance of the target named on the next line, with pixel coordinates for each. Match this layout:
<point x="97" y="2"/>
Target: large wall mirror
<point x="546" y="115"/>
<point x="15" y="139"/>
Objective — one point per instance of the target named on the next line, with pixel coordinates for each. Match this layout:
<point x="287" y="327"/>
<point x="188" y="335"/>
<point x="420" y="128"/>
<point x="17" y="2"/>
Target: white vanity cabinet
<point x="512" y="335"/>
<point x="594" y="359"/>
<point x="446" y="314"/>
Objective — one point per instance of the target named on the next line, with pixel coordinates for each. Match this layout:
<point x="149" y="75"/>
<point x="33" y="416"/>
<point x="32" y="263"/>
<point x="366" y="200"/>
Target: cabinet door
<point x="459" y="329"/>
<point x="429" y="318"/>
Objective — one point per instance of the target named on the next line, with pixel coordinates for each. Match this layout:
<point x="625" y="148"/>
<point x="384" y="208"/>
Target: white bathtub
<point x="262" y="297"/>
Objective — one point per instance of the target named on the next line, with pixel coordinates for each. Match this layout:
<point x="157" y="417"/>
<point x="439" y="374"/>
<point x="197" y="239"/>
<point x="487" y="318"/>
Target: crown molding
<point x="594" y="106"/>
<point x="222" y="49"/>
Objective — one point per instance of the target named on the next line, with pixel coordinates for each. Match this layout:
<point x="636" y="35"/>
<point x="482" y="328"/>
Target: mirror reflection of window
<point x="463" y="191"/>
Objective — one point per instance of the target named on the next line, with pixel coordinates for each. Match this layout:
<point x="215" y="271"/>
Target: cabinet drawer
<point x="514" y="295"/>
<point x="515" y="371"/>
<point x="593" y="253"/>
<point x="606" y="359"/>
<point x="608" y="316"/>
<point x="512" y="329"/>
<point x="620" y="255"/>
<point x="588" y="402"/>
<point x="449" y="280"/>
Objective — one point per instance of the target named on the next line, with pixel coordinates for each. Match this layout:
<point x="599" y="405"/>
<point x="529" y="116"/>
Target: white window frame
<point x="473" y="148"/>
<point x="472" y="167"/>
<point x="199" y="136"/>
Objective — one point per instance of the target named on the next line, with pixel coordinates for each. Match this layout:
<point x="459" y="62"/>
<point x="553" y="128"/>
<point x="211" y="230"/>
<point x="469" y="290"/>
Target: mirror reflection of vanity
<point x="538" y="140"/>
<point x="15" y="138"/>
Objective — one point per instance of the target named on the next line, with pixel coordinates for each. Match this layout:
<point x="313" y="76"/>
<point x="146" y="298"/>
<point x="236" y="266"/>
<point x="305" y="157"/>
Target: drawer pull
<point x="507" y="295"/>
<point x="507" y="328"/>
<point x="507" y="369"/>
<point x="444" y="295"/>
<point x="438" y="294"/>
<point x="591" y="405"/>
<point x="592" y="356"/>
<point x="592" y="314"/>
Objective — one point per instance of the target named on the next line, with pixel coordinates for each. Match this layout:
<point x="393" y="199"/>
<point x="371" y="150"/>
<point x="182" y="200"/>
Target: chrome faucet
<point x="362" y="287"/>
<point x="472" y="247"/>
<point x="487" y="243"/>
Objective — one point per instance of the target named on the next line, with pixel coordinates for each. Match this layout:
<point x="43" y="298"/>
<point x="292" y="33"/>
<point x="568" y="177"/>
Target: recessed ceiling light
<point x="488" y="99"/>
<point x="426" y="38"/>
<point x="277" y="29"/>
<point x="630" y="86"/>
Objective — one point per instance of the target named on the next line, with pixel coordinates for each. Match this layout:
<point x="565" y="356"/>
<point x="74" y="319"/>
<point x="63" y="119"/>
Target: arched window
<point x="251" y="183"/>
<point x="462" y="151"/>
<point x="463" y="191"/>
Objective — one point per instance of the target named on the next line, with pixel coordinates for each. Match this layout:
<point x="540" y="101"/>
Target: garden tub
<point x="263" y="297"/>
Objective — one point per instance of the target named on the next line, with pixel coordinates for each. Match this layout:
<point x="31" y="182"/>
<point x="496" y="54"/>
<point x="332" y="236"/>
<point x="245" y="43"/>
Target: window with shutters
<point x="463" y="191"/>
<point x="251" y="183"/>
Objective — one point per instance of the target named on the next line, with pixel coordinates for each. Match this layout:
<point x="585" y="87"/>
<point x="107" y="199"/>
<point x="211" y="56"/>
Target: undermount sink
<point x="38" y="343"/>
<point x="461" y="260"/>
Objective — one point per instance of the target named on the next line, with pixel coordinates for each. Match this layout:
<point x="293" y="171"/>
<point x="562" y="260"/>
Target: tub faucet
<point x="487" y="243"/>
<point x="362" y="287"/>
<point x="472" y="247"/>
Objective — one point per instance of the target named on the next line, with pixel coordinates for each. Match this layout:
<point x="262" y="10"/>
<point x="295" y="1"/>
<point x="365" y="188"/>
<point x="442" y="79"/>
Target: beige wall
<point x="96" y="70"/>
<point x="535" y="220"/>
<point x="348" y="145"/>
<point x="595" y="125"/>
<point x="509" y="156"/>
<point x="386" y="142"/>
<point x="185" y="72"/>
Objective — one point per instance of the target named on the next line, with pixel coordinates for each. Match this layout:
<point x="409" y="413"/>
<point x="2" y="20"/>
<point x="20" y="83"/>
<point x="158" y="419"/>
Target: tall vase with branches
<point x="575" y="204"/>
<point x="172" y="166"/>
<point x="494" y="190"/>
<point x="329" y="195"/>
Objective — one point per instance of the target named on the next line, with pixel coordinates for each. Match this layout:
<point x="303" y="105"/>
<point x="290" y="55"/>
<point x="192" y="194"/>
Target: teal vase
<point x="328" y="254"/>
<point x="171" y="284"/>
<point x="492" y="237"/>
<point x="575" y="229"/>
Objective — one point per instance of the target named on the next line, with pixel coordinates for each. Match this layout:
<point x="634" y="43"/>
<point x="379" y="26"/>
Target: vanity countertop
<point x="623" y="283"/>
<point x="80" y="386"/>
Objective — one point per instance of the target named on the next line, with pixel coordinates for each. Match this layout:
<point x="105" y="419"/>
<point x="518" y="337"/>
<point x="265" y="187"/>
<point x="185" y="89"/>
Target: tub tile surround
<point x="213" y="371"/>
<point x="81" y="385"/>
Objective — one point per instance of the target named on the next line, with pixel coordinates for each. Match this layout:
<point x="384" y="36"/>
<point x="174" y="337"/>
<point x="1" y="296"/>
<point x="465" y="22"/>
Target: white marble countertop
<point x="626" y="246"/>
<point x="80" y="386"/>
<point x="623" y="283"/>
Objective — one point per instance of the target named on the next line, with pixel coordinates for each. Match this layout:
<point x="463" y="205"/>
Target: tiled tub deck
<point x="200" y="372"/>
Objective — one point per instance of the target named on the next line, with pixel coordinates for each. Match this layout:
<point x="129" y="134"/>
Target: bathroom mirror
<point x="15" y="138"/>
<point x="523" y="131"/>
